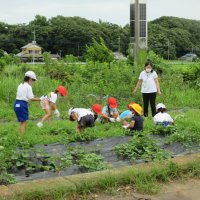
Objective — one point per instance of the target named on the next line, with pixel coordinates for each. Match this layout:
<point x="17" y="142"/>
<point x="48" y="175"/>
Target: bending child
<point x="110" y="112"/>
<point x="162" y="118"/>
<point x="48" y="102"/>
<point x="84" y="117"/>
<point x="127" y="114"/>
<point x="136" y="123"/>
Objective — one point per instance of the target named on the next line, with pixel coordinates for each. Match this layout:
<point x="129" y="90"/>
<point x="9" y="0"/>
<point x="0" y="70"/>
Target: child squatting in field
<point x="84" y="117"/>
<point x="136" y="123"/>
<point x="110" y="112"/>
<point x="48" y="102"/>
<point x="24" y="95"/>
<point x="162" y="117"/>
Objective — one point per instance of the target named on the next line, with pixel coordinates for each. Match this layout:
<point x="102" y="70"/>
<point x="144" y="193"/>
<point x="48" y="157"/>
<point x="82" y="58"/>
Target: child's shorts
<point x="45" y="104"/>
<point x="21" y="110"/>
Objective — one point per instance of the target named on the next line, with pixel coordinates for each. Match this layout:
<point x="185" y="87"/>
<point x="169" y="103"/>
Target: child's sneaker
<point x="39" y="124"/>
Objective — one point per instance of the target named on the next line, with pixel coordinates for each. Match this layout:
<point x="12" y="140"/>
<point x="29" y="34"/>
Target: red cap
<point x="112" y="102"/>
<point x="62" y="90"/>
<point x="97" y="109"/>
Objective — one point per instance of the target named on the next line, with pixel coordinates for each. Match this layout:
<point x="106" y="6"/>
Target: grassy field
<point x="179" y="85"/>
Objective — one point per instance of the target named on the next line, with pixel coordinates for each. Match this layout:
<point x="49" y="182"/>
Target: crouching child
<point x="162" y="117"/>
<point x="84" y="117"/>
<point x="136" y="123"/>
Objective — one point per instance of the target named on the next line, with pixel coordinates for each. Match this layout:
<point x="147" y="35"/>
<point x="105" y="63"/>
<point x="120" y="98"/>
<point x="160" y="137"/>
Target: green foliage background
<point x="71" y="35"/>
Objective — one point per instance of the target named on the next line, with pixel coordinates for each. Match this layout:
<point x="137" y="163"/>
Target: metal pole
<point x="168" y="49"/>
<point x="119" y="48"/>
<point x="34" y="42"/>
<point x="136" y="50"/>
<point x="78" y="49"/>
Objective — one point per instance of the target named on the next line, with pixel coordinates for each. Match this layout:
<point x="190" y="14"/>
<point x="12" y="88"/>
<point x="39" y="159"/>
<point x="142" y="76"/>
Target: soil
<point x="187" y="190"/>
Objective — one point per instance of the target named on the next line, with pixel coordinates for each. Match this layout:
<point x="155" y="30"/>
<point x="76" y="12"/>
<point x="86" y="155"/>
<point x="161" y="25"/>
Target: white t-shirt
<point x="82" y="112"/>
<point x="162" y="117"/>
<point x="24" y="92"/>
<point x="148" y="81"/>
<point x="51" y="97"/>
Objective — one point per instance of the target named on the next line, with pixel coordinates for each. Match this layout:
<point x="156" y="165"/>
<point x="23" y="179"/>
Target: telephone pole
<point x="119" y="47"/>
<point x="34" y="42"/>
<point x="168" y="49"/>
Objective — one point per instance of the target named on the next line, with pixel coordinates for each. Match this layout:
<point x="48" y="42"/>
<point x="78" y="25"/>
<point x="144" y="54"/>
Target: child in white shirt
<point x="48" y="102"/>
<point x="24" y="95"/>
<point x="84" y="117"/>
<point x="162" y="118"/>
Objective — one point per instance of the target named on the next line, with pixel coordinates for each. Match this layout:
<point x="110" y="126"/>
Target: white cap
<point x="31" y="74"/>
<point x="160" y="105"/>
<point x="70" y="111"/>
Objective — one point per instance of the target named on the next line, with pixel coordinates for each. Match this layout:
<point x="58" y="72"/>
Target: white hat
<point x="31" y="74"/>
<point x="160" y="105"/>
<point x="70" y="111"/>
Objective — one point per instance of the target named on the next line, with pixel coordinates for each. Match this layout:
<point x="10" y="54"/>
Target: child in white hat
<point x="24" y="95"/>
<point x="162" y="117"/>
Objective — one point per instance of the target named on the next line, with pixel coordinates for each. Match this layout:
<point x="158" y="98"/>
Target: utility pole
<point x="34" y="35"/>
<point x="78" y="50"/>
<point x="119" y="47"/>
<point x="168" y="49"/>
<point x="34" y="42"/>
<point x="136" y="49"/>
<point x="138" y="31"/>
<point x="60" y="53"/>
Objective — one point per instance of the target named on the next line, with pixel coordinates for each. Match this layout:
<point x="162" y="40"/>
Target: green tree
<point x="99" y="52"/>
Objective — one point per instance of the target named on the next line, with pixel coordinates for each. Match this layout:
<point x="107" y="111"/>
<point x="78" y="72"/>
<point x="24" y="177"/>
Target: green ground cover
<point x="179" y="85"/>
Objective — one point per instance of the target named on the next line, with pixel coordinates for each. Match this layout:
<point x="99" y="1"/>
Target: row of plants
<point x="141" y="147"/>
<point x="28" y="160"/>
<point x="143" y="180"/>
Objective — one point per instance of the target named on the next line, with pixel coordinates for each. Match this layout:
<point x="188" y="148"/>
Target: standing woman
<point x="24" y="94"/>
<point x="150" y="86"/>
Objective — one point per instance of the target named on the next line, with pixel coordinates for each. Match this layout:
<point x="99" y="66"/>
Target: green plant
<point x="141" y="147"/>
<point x="164" y="130"/>
<point x="91" y="162"/>
<point x="99" y="52"/>
<point x="6" y="178"/>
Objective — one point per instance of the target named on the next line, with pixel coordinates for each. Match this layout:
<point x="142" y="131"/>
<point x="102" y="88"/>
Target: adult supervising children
<point x="150" y="86"/>
<point x="24" y="95"/>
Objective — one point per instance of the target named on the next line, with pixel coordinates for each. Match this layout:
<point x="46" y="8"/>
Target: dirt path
<point x="188" y="190"/>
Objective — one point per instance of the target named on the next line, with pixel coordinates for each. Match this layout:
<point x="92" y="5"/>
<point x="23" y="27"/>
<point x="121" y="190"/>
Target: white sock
<point x="39" y="124"/>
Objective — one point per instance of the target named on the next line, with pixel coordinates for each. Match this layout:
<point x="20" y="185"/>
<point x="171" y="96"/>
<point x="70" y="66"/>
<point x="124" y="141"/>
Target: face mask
<point x="148" y="70"/>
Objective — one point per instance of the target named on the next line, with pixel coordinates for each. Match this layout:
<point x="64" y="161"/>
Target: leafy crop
<point x="91" y="162"/>
<point x="141" y="147"/>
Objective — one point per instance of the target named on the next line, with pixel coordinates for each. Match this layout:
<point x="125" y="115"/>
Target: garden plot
<point x="80" y="157"/>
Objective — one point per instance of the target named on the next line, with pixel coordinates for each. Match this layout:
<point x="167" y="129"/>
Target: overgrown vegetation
<point x="87" y="84"/>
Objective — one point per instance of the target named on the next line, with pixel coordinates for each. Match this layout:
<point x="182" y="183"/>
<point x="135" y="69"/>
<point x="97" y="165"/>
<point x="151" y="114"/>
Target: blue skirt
<point x="21" y="110"/>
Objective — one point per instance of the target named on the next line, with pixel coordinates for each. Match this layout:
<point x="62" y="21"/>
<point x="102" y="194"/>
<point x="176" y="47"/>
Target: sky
<point x="113" y="11"/>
